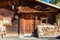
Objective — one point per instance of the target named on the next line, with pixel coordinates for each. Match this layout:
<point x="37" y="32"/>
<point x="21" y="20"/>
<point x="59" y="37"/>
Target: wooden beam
<point x="35" y="11"/>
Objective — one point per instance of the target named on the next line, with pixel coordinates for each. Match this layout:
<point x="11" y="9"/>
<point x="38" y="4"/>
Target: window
<point x="7" y="21"/>
<point x="44" y="20"/>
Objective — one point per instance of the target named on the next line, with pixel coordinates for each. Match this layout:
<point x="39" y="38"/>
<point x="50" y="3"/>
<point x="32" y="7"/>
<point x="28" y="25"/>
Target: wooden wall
<point x="11" y="30"/>
<point x="58" y="19"/>
<point x="5" y="3"/>
<point x="28" y="22"/>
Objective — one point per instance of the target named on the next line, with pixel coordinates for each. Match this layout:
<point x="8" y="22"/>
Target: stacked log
<point x="48" y="32"/>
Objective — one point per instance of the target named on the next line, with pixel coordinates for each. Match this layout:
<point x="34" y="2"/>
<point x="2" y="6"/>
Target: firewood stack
<point x="39" y="31"/>
<point x="48" y="31"/>
<point x="51" y="31"/>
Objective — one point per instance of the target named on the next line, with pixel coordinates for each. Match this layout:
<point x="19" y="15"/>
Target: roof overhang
<point x="48" y="4"/>
<point x="26" y="9"/>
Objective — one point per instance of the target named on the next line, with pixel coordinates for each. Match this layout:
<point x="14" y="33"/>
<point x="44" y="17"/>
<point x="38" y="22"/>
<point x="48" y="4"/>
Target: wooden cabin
<point x="30" y="15"/>
<point x="37" y="13"/>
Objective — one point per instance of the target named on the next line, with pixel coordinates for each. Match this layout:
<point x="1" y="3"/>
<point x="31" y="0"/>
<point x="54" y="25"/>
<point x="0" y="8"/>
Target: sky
<point x="46" y="1"/>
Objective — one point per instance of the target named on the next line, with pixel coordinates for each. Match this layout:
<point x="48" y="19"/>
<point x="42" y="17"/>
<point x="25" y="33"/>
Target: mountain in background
<point x="56" y="2"/>
<point x="53" y="1"/>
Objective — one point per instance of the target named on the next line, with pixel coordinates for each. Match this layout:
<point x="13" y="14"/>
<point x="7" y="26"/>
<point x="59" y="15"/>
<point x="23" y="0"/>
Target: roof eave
<point x="49" y="4"/>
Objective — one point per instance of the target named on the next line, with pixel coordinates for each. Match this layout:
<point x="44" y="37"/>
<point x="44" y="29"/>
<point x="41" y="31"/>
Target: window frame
<point x="9" y="18"/>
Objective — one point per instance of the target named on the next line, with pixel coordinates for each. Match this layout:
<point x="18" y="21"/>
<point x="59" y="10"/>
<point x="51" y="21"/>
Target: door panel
<point x="29" y="27"/>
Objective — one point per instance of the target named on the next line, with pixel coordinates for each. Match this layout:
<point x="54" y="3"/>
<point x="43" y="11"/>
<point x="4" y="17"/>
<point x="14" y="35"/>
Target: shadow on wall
<point x="58" y="37"/>
<point x="34" y="33"/>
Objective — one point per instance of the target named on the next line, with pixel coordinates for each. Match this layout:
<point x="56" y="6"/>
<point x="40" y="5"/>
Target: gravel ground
<point x="27" y="38"/>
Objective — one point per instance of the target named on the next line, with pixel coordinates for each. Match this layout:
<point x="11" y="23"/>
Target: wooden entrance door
<point x="29" y="25"/>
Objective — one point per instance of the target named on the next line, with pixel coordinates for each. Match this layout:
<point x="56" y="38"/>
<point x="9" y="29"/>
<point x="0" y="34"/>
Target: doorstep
<point x="31" y="38"/>
<point x="22" y="37"/>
